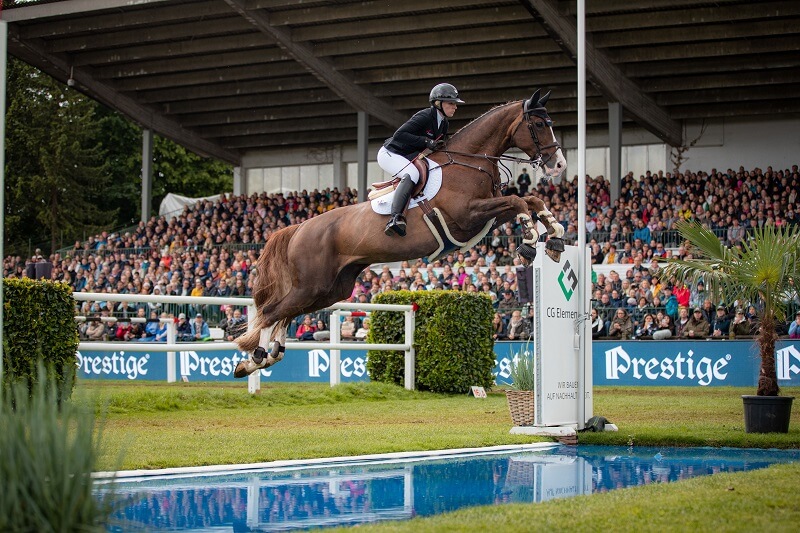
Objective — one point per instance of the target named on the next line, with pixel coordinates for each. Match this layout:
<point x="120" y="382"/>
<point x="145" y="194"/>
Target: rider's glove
<point x="434" y="144"/>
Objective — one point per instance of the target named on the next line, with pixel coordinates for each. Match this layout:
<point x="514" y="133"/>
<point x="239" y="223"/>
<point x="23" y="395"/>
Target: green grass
<point x="164" y="425"/>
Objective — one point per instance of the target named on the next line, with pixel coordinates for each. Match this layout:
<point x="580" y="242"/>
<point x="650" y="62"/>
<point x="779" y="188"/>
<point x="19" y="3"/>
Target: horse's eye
<point x="539" y="124"/>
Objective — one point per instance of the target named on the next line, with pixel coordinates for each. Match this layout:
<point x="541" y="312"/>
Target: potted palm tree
<point x="763" y="270"/>
<point x="520" y="397"/>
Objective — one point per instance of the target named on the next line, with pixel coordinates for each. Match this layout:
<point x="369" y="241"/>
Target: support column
<point x="147" y="173"/>
<point x="615" y="148"/>
<point x="363" y="147"/>
<point x="239" y="181"/>
<point x="339" y="168"/>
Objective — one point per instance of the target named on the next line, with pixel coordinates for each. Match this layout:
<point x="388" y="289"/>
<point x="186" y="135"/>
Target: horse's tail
<point x="273" y="281"/>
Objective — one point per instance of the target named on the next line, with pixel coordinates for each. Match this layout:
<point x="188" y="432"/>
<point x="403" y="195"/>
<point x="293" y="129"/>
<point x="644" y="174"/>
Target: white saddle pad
<point x="383" y="204"/>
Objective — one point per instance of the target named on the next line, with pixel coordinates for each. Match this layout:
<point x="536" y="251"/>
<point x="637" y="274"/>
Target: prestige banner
<point x="660" y="363"/>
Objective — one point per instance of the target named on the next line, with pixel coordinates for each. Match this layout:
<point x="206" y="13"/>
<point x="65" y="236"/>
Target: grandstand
<point x="211" y="247"/>
<point x="687" y="118"/>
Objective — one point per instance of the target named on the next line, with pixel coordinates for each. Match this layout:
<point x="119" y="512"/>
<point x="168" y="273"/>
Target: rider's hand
<point x="434" y="144"/>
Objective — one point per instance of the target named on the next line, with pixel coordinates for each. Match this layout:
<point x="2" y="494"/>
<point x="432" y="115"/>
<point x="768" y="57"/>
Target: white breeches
<point x="397" y="165"/>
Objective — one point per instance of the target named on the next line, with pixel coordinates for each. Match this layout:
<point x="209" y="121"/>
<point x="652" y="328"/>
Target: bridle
<point x="536" y="161"/>
<point x="541" y="113"/>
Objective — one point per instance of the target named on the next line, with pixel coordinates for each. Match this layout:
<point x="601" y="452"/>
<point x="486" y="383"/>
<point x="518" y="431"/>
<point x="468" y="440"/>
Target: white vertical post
<point x="172" y="337"/>
<point x="582" y="273"/>
<point x="254" y="379"/>
<point x="334" y="367"/>
<point x="410" y="359"/>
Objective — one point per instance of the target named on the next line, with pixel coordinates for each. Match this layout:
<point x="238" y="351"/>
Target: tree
<point x="763" y="270"/>
<point x="179" y="171"/>
<point x="73" y="166"/>
<point x="175" y="169"/>
<point x="57" y="177"/>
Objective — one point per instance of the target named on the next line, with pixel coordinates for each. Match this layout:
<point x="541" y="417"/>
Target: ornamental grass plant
<point x="48" y="450"/>
<point x="522" y="371"/>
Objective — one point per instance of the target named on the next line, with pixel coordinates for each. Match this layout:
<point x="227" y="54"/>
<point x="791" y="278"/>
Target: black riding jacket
<point x="410" y="138"/>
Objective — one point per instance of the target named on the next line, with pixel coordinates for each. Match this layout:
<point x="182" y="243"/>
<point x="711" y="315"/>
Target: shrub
<point x="39" y="321"/>
<point x="48" y="450"/>
<point x="452" y="340"/>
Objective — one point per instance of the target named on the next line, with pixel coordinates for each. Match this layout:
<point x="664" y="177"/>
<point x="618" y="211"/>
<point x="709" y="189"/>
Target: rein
<point x="536" y="162"/>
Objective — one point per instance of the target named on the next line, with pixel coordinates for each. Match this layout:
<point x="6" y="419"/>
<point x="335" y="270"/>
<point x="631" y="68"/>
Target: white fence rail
<point x="254" y="381"/>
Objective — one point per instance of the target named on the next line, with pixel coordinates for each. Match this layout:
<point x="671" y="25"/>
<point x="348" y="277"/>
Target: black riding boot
<point x="397" y="224"/>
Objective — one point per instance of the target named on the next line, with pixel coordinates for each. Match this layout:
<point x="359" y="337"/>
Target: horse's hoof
<point x="527" y="252"/>
<point x="241" y="370"/>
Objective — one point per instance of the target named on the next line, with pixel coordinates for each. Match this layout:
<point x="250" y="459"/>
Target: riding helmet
<point x="444" y="92"/>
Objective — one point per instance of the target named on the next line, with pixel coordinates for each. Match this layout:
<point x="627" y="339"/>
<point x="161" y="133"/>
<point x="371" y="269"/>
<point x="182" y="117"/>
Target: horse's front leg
<point x="504" y="209"/>
<point x="536" y="205"/>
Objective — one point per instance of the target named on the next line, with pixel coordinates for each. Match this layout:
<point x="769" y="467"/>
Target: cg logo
<point x="569" y="274"/>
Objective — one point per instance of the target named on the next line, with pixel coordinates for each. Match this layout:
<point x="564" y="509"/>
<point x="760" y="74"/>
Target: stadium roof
<point x="230" y="77"/>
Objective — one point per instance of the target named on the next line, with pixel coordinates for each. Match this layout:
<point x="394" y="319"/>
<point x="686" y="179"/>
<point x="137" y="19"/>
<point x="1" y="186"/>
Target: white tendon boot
<point x="530" y="235"/>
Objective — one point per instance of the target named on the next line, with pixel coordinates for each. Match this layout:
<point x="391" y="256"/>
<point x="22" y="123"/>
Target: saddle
<point x="385" y="187"/>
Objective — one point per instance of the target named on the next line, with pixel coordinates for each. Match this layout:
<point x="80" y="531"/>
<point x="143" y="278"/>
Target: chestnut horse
<point x="310" y="266"/>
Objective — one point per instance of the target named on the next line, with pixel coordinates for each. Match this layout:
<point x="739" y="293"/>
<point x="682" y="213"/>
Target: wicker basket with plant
<point x="520" y="397"/>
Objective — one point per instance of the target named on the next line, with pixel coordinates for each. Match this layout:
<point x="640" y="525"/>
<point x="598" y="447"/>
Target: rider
<point x="426" y="129"/>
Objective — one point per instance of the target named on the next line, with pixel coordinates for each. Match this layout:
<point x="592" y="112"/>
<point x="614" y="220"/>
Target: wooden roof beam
<point x="22" y="12"/>
<point x="355" y="95"/>
<point x="33" y="52"/>
<point x="606" y="75"/>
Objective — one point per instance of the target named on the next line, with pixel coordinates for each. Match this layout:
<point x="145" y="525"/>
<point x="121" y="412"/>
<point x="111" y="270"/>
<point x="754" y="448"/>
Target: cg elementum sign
<point x="557" y="311"/>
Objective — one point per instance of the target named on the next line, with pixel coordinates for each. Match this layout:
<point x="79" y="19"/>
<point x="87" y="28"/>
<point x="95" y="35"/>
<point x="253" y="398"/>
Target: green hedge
<point x="452" y="340"/>
<point x="39" y="323"/>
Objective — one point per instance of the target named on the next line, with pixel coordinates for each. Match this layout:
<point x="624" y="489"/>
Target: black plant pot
<point x="767" y="414"/>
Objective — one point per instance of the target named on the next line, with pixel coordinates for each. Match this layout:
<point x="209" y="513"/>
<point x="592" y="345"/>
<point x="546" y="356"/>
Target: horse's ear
<point x="531" y="103"/>
<point x="543" y="100"/>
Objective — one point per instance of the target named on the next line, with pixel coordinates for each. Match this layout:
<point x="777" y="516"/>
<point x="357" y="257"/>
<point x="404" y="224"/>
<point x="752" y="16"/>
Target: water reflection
<point x="280" y="500"/>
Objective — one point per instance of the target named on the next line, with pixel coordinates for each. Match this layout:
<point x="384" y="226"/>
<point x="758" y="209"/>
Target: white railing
<point x="254" y="381"/>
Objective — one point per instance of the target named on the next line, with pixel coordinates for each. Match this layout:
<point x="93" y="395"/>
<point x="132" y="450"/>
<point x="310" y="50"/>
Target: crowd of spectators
<point x="209" y="249"/>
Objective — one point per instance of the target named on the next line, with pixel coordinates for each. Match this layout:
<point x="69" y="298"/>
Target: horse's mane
<point x="481" y="117"/>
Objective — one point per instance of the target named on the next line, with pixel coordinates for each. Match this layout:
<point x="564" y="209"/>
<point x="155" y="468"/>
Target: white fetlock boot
<point x="530" y="236"/>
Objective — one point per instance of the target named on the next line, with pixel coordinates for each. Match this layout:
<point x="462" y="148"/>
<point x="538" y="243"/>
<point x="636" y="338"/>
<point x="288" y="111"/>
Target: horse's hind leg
<point x="261" y="357"/>
<point x="258" y="357"/>
<point x="278" y="348"/>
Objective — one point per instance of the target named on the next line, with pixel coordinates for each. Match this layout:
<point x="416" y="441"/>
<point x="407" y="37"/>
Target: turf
<point x="165" y="425"/>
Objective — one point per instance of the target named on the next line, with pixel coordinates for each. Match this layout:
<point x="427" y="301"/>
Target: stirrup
<point x="396" y="225"/>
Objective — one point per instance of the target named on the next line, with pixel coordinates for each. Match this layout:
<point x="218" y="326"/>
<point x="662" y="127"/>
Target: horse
<point x="310" y="266"/>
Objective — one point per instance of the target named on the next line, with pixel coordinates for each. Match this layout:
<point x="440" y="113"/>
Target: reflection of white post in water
<point x="333" y="485"/>
<point x="252" y="502"/>
<point x="408" y="489"/>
